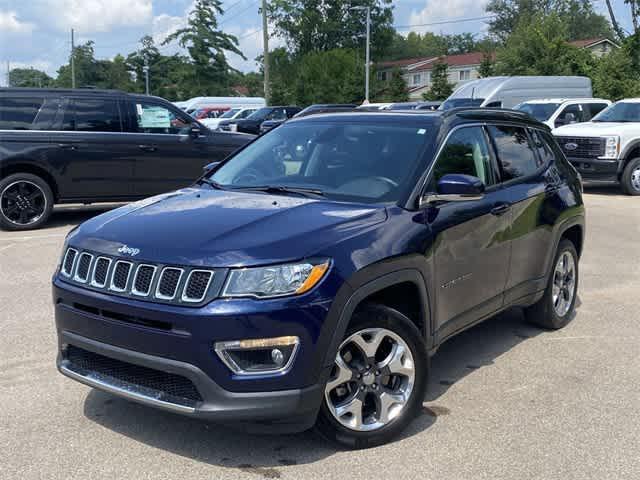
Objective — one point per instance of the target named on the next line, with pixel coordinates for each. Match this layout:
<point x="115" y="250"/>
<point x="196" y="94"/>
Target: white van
<point x="556" y="112"/>
<point x="227" y="102"/>
<point x="507" y="92"/>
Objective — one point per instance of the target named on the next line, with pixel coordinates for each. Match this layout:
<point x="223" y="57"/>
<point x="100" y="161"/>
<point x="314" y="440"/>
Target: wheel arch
<point x="25" y="166"/>
<point x="375" y="288"/>
<point x="631" y="151"/>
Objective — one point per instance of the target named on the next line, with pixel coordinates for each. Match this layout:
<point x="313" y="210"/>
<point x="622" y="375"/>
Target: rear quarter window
<point x="92" y="115"/>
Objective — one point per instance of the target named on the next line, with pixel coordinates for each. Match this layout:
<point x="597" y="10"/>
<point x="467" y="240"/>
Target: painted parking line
<point x="32" y="237"/>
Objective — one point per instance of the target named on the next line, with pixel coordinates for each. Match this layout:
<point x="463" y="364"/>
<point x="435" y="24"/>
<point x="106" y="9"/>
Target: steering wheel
<point x="247" y="176"/>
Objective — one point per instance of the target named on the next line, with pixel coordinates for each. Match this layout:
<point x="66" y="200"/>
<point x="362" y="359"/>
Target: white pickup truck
<point x="606" y="149"/>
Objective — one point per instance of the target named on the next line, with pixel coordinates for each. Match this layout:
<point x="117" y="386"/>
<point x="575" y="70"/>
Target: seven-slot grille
<point x="582" y="147"/>
<point x="140" y="280"/>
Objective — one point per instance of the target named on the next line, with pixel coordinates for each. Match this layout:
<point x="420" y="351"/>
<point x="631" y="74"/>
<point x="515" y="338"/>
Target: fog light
<point x="258" y="356"/>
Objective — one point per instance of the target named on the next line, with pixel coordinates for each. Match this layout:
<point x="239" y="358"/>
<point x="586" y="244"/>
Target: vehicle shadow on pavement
<point x="612" y="190"/>
<point x="75" y="215"/>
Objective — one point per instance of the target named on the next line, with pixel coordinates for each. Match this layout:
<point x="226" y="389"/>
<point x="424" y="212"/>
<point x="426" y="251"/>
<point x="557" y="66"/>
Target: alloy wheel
<point x="23" y="202"/>
<point x="635" y="179"/>
<point x="564" y="284"/>
<point x="372" y="380"/>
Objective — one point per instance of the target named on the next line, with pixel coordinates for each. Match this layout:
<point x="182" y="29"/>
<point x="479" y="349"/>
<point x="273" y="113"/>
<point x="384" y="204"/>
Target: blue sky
<point x="36" y="32"/>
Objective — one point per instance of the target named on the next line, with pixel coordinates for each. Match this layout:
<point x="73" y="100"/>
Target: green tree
<point x="487" y="66"/>
<point x="541" y="48"/>
<point x="85" y="67"/>
<point x="320" y="25"/>
<point x="334" y="76"/>
<point x="29" y="77"/>
<point x="207" y="46"/>
<point x="397" y="88"/>
<point x="440" y="86"/>
<point x="580" y="18"/>
<point x="615" y="76"/>
<point x="283" y="71"/>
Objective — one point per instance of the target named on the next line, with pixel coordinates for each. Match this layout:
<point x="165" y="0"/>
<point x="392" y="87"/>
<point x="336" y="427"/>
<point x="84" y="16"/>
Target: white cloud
<point x="164" y="25"/>
<point x="438" y="11"/>
<point x="89" y="16"/>
<point x="9" y="23"/>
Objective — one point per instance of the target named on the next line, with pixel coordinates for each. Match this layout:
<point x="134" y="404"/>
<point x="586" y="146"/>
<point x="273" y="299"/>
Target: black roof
<point x="428" y="116"/>
<point x="68" y="91"/>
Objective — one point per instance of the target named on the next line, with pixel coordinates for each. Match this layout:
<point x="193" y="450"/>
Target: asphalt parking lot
<point x="506" y="400"/>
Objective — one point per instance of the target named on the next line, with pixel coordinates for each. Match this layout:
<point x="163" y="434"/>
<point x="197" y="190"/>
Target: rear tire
<point x="378" y="382"/>
<point x="630" y="179"/>
<point x="556" y="308"/>
<point x="26" y="202"/>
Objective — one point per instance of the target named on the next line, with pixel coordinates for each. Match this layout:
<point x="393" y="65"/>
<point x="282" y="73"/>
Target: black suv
<point x="307" y="279"/>
<point x="252" y="123"/>
<point x="86" y="145"/>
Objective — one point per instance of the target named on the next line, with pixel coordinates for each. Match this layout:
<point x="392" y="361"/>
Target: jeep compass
<point x="307" y="279"/>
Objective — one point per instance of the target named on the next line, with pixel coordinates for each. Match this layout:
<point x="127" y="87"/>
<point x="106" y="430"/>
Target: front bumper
<point x="160" y="340"/>
<point x="596" y="169"/>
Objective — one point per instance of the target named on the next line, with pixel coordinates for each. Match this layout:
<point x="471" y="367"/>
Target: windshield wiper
<point x="211" y="183"/>
<point x="307" y="192"/>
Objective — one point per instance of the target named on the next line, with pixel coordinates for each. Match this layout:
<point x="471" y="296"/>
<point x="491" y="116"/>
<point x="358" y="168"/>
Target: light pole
<point x="368" y="54"/>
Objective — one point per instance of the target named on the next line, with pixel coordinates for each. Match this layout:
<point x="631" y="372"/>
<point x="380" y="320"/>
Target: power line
<point x="253" y="4"/>
<point x="444" y="22"/>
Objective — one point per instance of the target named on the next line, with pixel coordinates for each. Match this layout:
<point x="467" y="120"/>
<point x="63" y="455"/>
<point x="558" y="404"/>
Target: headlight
<point x="612" y="147"/>
<point x="274" y="281"/>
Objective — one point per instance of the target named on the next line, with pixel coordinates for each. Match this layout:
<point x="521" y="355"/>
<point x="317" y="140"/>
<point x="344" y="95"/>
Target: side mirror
<point x="195" y="130"/>
<point x="210" y="166"/>
<point x="456" y="188"/>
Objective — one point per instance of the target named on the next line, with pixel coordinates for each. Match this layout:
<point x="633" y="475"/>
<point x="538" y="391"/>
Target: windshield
<point x="230" y="113"/>
<point x="539" y="111"/>
<point x="462" y="102"/>
<point x="260" y="114"/>
<point x="362" y="162"/>
<point x="619" y="112"/>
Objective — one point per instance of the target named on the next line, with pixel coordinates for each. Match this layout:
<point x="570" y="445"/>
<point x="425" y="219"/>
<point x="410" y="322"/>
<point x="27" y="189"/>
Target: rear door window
<point x="545" y="152"/>
<point x="27" y="113"/>
<point x="515" y="153"/>
<point x="92" y="115"/>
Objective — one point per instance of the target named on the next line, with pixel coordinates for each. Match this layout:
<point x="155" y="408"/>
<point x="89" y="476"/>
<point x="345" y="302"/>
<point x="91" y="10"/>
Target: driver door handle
<point x="148" y="148"/>
<point x="67" y="146"/>
<point x="500" y="209"/>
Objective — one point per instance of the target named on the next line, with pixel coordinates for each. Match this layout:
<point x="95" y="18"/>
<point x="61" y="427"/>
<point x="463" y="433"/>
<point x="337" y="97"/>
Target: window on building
<point x="465" y="75"/>
<point x="416" y="79"/>
<point x="382" y="76"/>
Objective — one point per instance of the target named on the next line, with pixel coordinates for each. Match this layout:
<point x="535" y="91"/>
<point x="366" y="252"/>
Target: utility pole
<point x="368" y="50"/>
<point x="146" y="74"/>
<point x="265" y="55"/>
<point x="73" y="63"/>
<point x="8" y="73"/>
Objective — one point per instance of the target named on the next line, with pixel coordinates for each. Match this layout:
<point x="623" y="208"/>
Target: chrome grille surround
<point x="142" y="280"/>
<point x="100" y="261"/>
<point x="144" y="291"/>
<point x="190" y="283"/>
<point x="83" y="268"/>
<point x="115" y="274"/>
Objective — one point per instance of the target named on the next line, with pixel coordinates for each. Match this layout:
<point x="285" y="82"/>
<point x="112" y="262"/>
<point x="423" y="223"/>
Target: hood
<point x="596" y="129"/>
<point x="221" y="228"/>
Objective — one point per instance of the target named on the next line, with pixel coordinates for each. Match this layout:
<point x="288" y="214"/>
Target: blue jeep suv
<point x="307" y="279"/>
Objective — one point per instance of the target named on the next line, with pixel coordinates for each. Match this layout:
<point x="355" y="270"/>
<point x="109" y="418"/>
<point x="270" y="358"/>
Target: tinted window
<point x="545" y="152"/>
<point x="278" y="114"/>
<point x="92" y="115"/>
<point x="466" y="152"/>
<point x="592" y="109"/>
<point x="565" y="116"/>
<point x="539" y="111"/>
<point x="515" y="153"/>
<point x="245" y="113"/>
<point x="462" y="102"/>
<point x="27" y="113"/>
<point x="620" y="112"/>
<point x="359" y="161"/>
<point x="152" y="118"/>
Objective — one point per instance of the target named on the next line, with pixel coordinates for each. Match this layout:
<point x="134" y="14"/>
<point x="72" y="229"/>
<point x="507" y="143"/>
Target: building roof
<point x="426" y="63"/>
<point x="590" y="42"/>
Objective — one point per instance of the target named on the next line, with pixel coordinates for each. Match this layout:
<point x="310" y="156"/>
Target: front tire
<point x="26" y="202"/>
<point x="378" y="380"/>
<point x="630" y="179"/>
<point x="556" y="308"/>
